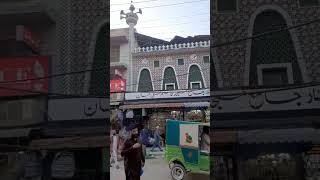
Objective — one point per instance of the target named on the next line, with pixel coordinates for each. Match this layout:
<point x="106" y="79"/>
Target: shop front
<point x="276" y="132"/>
<point x="312" y="162"/>
<point x="277" y="153"/>
<point x="74" y="142"/>
<point x="268" y="154"/>
<point x="224" y="156"/>
<point x="155" y="107"/>
<point x="74" y="157"/>
<point x="155" y="114"/>
<point x="271" y="161"/>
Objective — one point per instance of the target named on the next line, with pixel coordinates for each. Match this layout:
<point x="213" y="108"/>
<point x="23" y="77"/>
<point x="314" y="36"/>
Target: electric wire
<point x="171" y="18"/>
<point x="137" y="2"/>
<point x="164" y="5"/>
<point x="212" y="94"/>
<point x="213" y="46"/>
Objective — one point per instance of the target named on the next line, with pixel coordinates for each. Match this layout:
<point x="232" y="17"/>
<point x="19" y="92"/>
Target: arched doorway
<point x="99" y="84"/>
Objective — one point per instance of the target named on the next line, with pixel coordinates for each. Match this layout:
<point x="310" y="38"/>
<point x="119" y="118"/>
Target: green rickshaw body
<point x="183" y="146"/>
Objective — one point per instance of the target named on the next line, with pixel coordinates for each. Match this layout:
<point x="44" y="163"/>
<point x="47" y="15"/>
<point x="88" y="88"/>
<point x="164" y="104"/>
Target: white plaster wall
<point x="124" y="53"/>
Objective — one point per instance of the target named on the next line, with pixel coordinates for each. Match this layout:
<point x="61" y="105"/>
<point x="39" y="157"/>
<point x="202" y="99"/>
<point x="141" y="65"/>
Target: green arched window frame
<point x="145" y="81"/>
<point x="169" y="79"/>
<point x="195" y="78"/>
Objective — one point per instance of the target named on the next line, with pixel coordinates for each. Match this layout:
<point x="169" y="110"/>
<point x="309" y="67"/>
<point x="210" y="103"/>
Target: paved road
<point x="155" y="169"/>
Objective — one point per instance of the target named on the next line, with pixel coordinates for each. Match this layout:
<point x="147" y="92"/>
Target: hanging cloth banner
<point x="129" y="114"/>
<point x="120" y="115"/>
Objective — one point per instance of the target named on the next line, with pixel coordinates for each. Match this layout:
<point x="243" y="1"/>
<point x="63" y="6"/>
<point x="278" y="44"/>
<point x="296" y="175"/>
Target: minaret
<point x="131" y="19"/>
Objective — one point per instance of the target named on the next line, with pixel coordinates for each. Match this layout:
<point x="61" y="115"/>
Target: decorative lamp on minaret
<point x="131" y="19"/>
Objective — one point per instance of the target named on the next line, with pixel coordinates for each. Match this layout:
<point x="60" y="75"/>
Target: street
<point x="155" y="169"/>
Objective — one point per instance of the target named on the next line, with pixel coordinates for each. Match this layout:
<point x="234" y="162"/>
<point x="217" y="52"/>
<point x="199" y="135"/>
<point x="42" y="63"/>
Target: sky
<point x="186" y="18"/>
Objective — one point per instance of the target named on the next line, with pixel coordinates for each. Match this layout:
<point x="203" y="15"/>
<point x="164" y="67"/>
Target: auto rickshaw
<point x="184" y="151"/>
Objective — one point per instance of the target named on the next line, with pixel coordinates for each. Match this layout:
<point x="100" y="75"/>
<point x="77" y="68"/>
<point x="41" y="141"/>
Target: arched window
<point x="195" y="79"/>
<point x="145" y="82"/>
<point x="99" y="84"/>
<point x="169" y="79"/>
<point x="273" y="60"/>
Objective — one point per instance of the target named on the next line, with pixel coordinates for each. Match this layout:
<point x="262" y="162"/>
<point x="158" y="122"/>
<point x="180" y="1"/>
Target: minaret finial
<point x="131" y="17"/>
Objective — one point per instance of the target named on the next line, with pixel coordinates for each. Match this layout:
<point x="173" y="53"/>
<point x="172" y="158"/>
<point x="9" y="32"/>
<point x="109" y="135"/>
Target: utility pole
<point x="131" y="19"/>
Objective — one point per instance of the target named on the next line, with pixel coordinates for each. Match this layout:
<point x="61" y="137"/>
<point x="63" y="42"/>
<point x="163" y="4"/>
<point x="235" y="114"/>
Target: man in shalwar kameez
<point x="133" y="155"/>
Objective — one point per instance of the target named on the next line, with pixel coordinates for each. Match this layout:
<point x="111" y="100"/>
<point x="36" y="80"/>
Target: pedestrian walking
<point x="115" y="145"/>
<point x="144" y="139"/>
<point x="124" y="133"/>
<point x="157" y="139"/>
<point x="133" y="155"/>
<point x="205" y="139"/>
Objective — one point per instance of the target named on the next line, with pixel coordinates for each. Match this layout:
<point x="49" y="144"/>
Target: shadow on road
<point x="197" y="176"/>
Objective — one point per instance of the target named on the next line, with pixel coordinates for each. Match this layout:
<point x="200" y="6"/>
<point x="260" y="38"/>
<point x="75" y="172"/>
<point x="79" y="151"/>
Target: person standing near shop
<point x="144" y="139"/>
<point x="157" y="139"/>
<point x="205" y="139"/>
<point x="133" y="155"/>
<point x="115" y="141"/>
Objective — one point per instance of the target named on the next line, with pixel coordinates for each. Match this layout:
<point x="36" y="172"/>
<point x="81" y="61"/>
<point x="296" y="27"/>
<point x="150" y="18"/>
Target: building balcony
<point x="119" y="40"/>
<point x="119" y="36"/>
<point x="119" y="65"/>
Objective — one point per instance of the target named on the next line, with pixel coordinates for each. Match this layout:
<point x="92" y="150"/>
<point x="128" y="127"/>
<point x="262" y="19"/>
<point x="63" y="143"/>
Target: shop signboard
<point x="23" y="75"/>
<point x="266" y="100"/>
<point x="117" y="85"/>
<point x="78" y="108"/>
<point x="167" y="94"/>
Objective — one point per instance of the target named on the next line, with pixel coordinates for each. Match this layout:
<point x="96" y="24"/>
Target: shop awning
<point x="70" y="143"/>
<point x="197" y="104"/>
<point x="114" y="103"/>
<point x="8" y="133"/>
<point x="297" y="135"/>
<point x="165" y="105"/>
<point x="157" y="105"/>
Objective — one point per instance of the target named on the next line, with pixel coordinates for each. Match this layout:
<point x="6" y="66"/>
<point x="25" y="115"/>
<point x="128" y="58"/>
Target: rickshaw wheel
<point x="178" y="172"/>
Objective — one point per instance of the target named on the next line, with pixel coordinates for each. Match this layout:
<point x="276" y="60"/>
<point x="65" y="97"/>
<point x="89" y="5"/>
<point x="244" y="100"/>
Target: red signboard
<point x="25" y="73"/>
<point x="117" y="85"/>
<point x="29" y="38"/>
